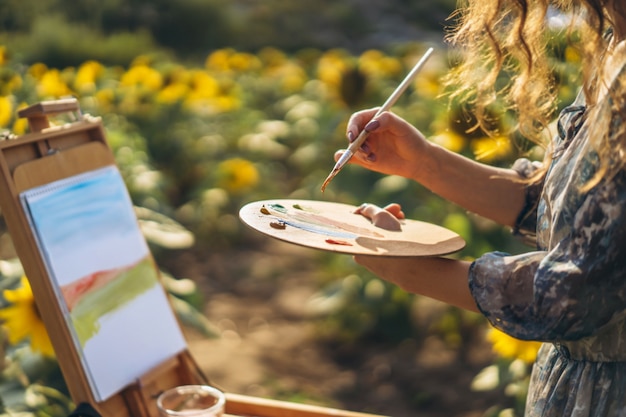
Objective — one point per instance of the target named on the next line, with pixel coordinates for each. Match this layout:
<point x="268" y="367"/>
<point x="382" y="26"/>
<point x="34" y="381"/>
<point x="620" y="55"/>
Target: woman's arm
<point x="396" y="147"/>
<point x="495" y="193"/>
<point x="439" y="278"/>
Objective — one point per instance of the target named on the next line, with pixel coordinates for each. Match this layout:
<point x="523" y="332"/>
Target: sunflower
<point x="237" y="175"/>
<point x="22" y="319"/>
<point x="511" y="348"/>
<point x="489" y="149"/>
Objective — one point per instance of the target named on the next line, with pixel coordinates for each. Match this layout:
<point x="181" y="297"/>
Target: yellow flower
<point x="449" y="140"/>
<point x="37" y="70"/>
<point x="237" y="174"/>
<point x="177" y="75"/>
<point x="87" y="76"/>
<point x="242" y="61"/>
<point x="491" y="148"/>
<point x="226" y="103"/>
<point x="511" y="348"/>
<point x="227" y="59"/>
<point x="208" y="96"/>
<point x="291" y="76"/>
<point x="6" y="110"/>
<point x="369" y="61"/>
<point x="105" y="98"/>
<point x="172" y="93"/>
<point x="204" y="84"/>
<point x="572" y="55"/>
<point x="20" y="126"/>
<point x="428" y="84"/>
<point x="294" y="81"/>
<point x="22" y="319"/>
<point x="331" y="66"/>
<point x="51" y="84"/>
<point x="219" y="60"/>
<point x="142" y="75"/>
<point x="374" y="63"/>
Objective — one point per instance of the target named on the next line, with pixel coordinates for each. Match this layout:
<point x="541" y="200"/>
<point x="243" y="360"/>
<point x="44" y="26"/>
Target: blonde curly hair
<point x="498" y="36"/>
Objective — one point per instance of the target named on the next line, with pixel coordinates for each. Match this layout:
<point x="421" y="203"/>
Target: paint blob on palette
<point x="336" y="227"/>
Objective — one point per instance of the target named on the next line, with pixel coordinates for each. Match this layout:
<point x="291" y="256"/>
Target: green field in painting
<point x="114" y="295"/>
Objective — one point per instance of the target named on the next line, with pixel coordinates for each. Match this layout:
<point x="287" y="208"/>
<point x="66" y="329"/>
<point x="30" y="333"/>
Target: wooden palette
<point x="335" y="227"/>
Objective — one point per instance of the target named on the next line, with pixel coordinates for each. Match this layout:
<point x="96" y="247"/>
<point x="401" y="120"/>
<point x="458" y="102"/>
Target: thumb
<point x="338" y="154"/>
<point x="358" y="158"/>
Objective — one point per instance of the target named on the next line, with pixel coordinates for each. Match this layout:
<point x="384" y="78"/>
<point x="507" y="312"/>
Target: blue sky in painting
<point x="86" y="223"/>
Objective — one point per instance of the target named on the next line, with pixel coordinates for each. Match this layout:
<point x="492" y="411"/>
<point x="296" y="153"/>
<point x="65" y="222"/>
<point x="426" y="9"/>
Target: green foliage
<point x="58" y="43"/>
<point x="190" y="29"/>
<point x="17" y="16"/>
<point x="356" y="308"/>
<point x="510" y="378"/>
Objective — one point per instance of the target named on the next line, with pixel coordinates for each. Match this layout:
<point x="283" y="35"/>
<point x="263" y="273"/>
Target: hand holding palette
<point x="338" y="227"/>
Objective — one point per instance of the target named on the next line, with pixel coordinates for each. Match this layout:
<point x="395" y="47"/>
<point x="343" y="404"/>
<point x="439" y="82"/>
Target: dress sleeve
<point x="576" y="288"/>
<point x="569" y="292"/>
<point x="526" y="223"/>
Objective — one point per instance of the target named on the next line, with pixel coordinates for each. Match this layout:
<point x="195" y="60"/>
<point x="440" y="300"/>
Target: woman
<point x="571" y="291"/>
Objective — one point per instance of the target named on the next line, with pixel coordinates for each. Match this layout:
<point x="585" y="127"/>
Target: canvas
<point x="104" y="277"/>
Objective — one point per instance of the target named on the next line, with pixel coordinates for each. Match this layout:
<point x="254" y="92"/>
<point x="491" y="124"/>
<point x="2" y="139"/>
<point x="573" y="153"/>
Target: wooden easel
<point x="50" y="153"/>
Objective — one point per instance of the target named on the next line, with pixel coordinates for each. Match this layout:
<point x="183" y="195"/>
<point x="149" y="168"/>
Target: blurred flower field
<point x="195" y="144"/>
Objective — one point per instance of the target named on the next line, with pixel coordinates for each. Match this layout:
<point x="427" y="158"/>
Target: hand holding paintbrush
<point x="358" y="142"/>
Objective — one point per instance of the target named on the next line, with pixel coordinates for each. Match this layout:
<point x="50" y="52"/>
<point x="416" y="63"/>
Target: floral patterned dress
<point x="571" y="292"/>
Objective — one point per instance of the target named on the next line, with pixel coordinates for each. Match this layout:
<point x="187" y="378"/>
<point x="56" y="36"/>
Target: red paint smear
<point x="338" y="242"/>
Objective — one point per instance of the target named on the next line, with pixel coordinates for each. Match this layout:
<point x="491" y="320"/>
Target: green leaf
<point x="192" y="317"/>
<point x="163" y="231"/>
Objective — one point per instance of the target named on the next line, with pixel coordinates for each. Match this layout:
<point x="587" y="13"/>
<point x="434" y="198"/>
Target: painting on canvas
<point x="104" y="276"/>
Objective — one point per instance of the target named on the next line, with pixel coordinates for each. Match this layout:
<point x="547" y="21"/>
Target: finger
<point x="372" y="125"/>
<point x="338" y="154"/>
<point x="358" y="121"/>
<point x="361" y="155"/>
<point x="396" y="210"/>
<point x="365" y="152"/>
<point x="370" y="210"/>
<point x="365" y="147"/>
<point x="379" y="217"/>
<point x="366" y="210"/>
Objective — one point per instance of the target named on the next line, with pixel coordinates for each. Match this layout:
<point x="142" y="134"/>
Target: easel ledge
<point x="242" y="405"/>
<point x="49" y="153"/>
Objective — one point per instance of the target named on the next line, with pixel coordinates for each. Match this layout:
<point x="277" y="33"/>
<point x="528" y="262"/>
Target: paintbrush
<point x="354" y="146"/>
